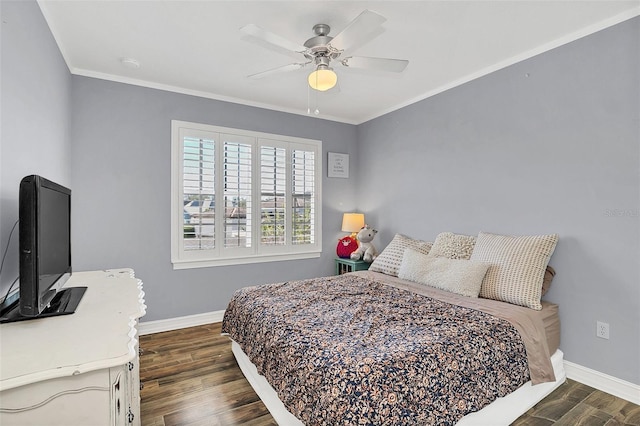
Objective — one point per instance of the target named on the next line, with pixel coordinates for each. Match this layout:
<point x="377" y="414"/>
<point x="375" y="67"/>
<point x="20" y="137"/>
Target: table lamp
<point x="352" y="222"/>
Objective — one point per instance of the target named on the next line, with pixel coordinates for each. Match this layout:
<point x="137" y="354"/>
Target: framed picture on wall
<point x="338" y="165"/>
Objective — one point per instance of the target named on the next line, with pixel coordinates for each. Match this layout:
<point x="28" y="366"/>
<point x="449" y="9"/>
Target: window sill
<point x="190" y="264"/>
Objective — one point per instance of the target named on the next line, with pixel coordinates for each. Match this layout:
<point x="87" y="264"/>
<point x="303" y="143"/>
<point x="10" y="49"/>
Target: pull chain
<point x="315" y="97"/>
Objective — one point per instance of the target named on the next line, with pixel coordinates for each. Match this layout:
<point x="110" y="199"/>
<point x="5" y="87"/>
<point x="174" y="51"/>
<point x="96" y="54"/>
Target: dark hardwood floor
<point x="191" y="378"/>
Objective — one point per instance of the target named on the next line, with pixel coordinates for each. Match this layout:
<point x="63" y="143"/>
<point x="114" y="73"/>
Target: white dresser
<point x="78" y="369"/>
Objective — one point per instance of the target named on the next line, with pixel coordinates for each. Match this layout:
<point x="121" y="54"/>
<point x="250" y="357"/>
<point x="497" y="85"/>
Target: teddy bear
<point x="367" y="250"/>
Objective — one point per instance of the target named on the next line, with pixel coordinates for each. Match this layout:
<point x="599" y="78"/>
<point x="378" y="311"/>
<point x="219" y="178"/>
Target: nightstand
<point x="347" y="265"/>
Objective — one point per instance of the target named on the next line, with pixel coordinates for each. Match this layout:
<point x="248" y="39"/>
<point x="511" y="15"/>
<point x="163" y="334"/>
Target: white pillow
<point x="390" y="259"/>
<point x="453" y="246"/>
<point x="454" y="275"/>
<point x="517" y="267"/>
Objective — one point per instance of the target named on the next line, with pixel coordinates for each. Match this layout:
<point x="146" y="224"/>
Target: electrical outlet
<point x="602" y="330"/>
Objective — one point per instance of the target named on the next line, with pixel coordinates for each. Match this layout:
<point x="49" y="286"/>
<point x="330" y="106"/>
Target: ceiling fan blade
<point x="382" y="64"/>
<point x="258" y="32"/>
<point x="361" y="29"/>
<point x="285" y="68"/>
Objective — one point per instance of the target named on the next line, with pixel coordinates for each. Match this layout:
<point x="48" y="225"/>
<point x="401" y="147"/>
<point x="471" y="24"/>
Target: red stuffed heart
<point x="346" y="246"/>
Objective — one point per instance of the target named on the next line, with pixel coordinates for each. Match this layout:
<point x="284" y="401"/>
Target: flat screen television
<point x="44" y="251"/>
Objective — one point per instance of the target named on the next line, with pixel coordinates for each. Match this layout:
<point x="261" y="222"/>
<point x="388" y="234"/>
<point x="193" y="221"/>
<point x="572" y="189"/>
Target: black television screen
<point x="44" y="243"/>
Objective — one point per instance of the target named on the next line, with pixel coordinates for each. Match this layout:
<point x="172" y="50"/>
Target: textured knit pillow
<point x="517" y="268"/>
<point x="388" y="262"/>
<point x="454" y="275"/>
<point x="453" y="246"/>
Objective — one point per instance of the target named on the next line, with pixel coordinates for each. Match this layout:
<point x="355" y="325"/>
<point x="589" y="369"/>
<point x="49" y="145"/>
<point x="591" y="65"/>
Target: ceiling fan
<point x="322" y="48"/>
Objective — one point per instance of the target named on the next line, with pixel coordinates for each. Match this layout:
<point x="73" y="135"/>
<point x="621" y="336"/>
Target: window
<point x="242" y="197"/>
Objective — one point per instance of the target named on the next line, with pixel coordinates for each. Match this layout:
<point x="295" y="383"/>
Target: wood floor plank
<point x="212" y="403"/>
<point x="526" y="420"/>
<point x="179" y="390"/>
<point x="191" y="378"/>
<point x="623" y="411"/>
<point x="584" y="415"/>
<point x="195" y="369"/>
<point x="247" y="414"/>
<point x="265" y="420"/>
<point x="551" y="410"/>
<point x="167" y="371"/>
<point x="628" y="415"/>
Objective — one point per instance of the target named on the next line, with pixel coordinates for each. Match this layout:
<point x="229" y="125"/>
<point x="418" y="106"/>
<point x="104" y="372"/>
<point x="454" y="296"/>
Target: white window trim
<point x="183" y="260"/>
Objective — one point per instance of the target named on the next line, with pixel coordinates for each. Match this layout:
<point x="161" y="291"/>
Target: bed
<point x="373" y="348"/>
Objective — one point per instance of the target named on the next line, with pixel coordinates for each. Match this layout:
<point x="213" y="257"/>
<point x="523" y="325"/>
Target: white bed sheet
<point x="502" y="411"/>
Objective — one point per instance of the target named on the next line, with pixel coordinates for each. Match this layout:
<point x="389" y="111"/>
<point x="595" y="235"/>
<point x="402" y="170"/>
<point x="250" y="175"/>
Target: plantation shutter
<point x="303" y="196"/>
<point x="237" y="193"/>
<point x="273" y="187"/>
<point x="198" y="193"/>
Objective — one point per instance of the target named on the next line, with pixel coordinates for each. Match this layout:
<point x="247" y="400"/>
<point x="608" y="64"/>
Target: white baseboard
<point x="603" y="382"/>
<point x="159" y="326"/>
<point x="593" y="378"/>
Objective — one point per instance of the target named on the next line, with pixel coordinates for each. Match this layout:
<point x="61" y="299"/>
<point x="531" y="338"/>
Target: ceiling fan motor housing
<point x="318" y="46"/>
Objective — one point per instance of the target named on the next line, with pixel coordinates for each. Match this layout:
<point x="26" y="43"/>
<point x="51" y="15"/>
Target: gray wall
<point x="549" y="145"/>
<point x="35" y="89"/>
<point x="121" y="191"/>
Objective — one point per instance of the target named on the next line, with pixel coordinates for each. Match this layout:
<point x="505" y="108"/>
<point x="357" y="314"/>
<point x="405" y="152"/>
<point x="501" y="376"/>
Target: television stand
<point x="80" y="369"/>
<point x="64" y="302"/>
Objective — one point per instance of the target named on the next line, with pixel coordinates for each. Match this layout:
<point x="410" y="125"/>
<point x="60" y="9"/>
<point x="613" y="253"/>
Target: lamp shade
<point x="323" y="79"/>
<point x="352" y="222"/>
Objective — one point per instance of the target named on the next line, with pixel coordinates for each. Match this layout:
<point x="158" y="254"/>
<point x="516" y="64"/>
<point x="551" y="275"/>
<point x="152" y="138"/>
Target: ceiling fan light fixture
<point x="323" y="78"/>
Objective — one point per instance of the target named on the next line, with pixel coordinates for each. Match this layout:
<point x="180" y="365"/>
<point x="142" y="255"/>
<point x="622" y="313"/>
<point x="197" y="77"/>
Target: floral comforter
<point x="348" y="350"/>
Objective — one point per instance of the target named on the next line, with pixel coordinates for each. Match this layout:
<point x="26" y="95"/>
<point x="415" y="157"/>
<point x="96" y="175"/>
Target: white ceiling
<point x="195" y="47"/>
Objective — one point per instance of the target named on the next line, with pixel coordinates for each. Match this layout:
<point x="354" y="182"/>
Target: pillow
<point x="517" y="266"/>
<point x="390" y="259"/>
<point x="453" y="246"/>
<point x="549" y="273"/>
<point x="454" y="275"/>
